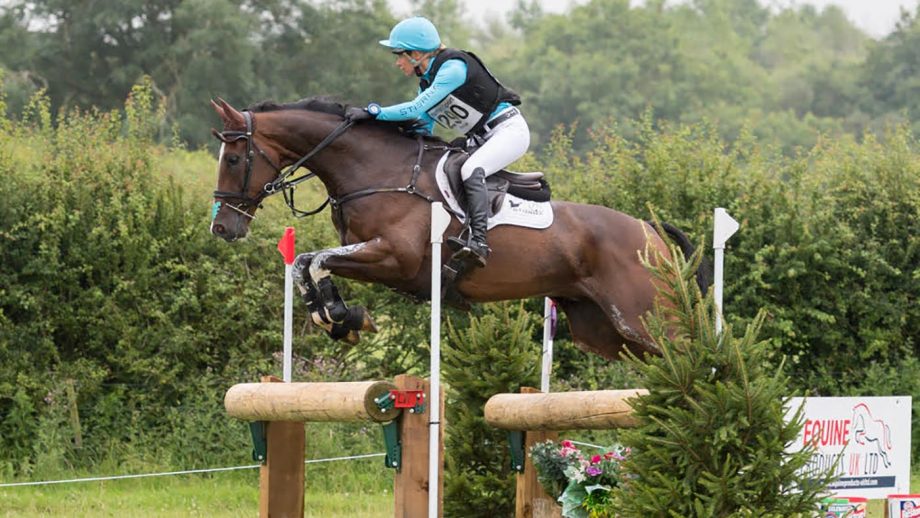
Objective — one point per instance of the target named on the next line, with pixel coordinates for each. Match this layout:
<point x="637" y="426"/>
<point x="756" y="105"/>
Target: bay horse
<point x="380" y="184"/>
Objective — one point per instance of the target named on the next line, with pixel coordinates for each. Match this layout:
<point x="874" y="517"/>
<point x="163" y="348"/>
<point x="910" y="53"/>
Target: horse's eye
<point x="233" y="159"/>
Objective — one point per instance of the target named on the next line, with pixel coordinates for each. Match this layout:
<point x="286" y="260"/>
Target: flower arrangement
<point x="581" y="484"/>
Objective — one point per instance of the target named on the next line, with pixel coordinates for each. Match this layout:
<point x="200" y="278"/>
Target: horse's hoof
<point x="337" y="313"/>
<point x="367" y="324"/>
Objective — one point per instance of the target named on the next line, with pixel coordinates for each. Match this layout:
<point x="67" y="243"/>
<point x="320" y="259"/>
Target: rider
<point x="458" y="92"/>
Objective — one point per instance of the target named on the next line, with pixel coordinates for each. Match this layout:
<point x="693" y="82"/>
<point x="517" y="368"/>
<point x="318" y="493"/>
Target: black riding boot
<point x="477" y="210"/>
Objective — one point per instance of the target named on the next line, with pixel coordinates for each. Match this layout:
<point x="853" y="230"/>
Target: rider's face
<point x="404" y="62"/>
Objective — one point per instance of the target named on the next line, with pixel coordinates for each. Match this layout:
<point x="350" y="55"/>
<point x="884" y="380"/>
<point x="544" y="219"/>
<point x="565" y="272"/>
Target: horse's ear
<point x="219" y="110"/>
<point x="232" y="117"/>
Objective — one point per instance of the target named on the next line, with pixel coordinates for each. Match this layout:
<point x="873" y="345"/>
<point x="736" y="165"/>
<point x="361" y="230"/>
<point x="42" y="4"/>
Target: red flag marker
<point x="286" y="245"/>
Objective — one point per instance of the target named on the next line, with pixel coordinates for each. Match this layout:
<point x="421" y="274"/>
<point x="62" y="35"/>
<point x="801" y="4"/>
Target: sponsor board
<point x="865" y="440"/>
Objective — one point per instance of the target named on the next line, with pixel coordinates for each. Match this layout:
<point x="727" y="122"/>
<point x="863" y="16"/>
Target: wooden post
<point x="535" y="412"/>
<point x="281" y="477"/>
<point x="74" y="414"/>
<point x="410" y="486"/>
<point x="531" y="501"/>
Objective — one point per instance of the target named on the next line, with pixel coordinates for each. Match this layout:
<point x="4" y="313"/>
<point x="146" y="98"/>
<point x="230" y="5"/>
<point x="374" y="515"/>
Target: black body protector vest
<point x="468" y="107"/>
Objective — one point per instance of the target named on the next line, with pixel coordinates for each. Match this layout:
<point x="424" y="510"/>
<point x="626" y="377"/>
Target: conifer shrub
<point x="712" y="434"/>
<point x="494" y="353"/>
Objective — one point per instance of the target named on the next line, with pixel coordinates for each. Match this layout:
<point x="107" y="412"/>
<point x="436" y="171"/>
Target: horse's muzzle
<point x="221" y="232"/>
<point x="228" y="234"/>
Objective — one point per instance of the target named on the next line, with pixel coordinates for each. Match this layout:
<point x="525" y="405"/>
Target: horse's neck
<point x="355" y="161"/>
<point x="296" y="134"/>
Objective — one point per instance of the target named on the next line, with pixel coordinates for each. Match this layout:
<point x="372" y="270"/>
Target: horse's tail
<point x="704" y="271"/>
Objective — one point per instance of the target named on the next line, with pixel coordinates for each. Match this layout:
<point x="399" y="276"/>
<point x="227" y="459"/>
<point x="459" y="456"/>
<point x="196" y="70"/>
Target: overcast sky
<point x="875" y="17"/>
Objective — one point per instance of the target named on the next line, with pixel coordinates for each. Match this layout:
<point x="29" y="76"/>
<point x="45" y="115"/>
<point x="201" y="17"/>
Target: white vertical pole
<point x="286" y="246"/>
<point x="288" y="319"/>
<point x="717" y="287"/>
<point x="547" y="344"/>
<point x="724" y="226"/>
<point x="439" y="221"/>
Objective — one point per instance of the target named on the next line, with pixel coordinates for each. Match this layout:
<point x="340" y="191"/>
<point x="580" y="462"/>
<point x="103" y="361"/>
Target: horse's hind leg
<point x="604" y="331"/>
<point x="591" y="328"/>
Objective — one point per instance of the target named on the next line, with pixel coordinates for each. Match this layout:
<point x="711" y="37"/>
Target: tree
<point x="891" y="73"/>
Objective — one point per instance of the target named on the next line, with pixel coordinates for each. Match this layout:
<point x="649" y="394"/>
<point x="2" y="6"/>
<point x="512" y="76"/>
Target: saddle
<point x="525" y="193"/>
<point x="527" y="186"/>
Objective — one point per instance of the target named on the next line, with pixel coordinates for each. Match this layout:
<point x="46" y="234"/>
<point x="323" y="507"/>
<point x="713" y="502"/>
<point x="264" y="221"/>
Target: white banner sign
<point x="866" y="438"/>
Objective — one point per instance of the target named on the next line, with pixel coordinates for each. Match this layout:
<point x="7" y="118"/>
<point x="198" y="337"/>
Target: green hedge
<point x="123" y="321"/>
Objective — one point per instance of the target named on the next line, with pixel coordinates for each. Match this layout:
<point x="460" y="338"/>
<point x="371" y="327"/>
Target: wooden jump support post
<point x="277" y="412"/>
<point x="541" y="415"/>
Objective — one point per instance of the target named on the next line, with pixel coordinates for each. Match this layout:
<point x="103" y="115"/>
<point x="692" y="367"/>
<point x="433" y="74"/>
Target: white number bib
<point x="452" y="113"/>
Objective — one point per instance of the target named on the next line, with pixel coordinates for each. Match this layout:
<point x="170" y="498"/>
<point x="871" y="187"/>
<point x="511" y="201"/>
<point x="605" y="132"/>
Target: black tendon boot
<point x="476" y="250"/>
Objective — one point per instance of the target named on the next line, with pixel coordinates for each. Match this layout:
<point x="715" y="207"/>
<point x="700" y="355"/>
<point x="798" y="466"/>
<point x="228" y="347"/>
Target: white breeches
<point x="503" y="145"/>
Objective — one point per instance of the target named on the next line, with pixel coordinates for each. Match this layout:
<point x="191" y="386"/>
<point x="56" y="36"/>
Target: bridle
<point x="285" y="181"/>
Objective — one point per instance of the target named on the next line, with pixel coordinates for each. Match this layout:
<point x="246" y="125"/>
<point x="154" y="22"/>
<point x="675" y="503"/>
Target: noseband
<point x="283" y="182"/>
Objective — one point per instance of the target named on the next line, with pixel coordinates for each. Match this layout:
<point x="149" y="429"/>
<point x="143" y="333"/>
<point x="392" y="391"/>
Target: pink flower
<point x="595" y="459"/>
<point x="616" y="455"/>
<point x="567" y="444"/>
<point x="594" y="471"/>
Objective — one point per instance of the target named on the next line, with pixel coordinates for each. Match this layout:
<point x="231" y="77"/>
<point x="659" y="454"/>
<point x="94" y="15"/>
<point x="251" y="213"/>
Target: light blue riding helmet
<point x="415" y="33"/>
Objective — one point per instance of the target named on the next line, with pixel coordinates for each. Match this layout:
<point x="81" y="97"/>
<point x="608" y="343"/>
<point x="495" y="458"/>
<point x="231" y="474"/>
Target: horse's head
<point x="243" y="170"/>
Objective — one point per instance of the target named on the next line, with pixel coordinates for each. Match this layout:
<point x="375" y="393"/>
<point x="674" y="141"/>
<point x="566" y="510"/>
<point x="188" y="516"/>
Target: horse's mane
<point x="319" y="103"/>
<point x="326" y="104"/>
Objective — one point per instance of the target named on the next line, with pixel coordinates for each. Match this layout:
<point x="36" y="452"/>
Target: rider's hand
<point x="356" y="113"/>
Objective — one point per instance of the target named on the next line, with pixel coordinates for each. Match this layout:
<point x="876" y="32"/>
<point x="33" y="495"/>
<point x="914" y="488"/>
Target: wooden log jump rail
<point x="349" y="401"/>
<point x="587" y="410"/>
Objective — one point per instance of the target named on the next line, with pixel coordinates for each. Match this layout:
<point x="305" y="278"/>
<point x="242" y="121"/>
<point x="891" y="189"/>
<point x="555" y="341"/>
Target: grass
<point x="328" y="495"/>
<point x="213" y="495"/>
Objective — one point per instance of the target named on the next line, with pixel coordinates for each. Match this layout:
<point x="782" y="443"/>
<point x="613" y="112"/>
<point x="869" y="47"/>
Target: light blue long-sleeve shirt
<point x="450" y="76"/>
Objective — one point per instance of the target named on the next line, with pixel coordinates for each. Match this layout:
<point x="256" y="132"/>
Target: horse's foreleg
<point x="355" y="319"/>
<point x="335" y="307"/>
<point x="303" y="282"/>
<point x="372" y="260"/>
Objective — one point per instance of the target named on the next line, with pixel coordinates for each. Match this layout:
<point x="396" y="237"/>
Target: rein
<point x="285" y="184"/>
<point x="408" y="189"/>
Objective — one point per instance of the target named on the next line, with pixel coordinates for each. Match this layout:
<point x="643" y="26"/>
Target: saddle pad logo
<point x="524" y="213"/>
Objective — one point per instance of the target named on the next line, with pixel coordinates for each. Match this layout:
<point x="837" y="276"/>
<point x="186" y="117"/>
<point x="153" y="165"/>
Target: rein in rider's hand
<point x="357" y="113"/>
